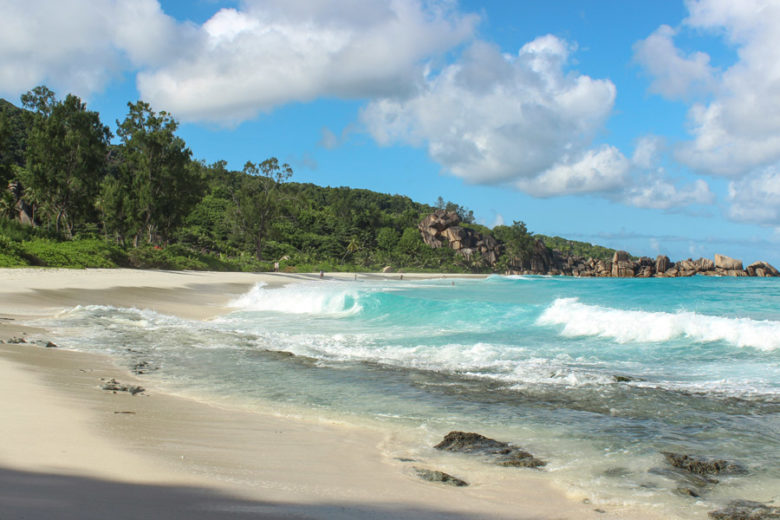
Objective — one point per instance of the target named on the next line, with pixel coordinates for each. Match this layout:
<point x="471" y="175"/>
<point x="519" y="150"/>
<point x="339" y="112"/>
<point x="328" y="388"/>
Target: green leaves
<point x="66" y="158"/>
<point x="155" y="184"/>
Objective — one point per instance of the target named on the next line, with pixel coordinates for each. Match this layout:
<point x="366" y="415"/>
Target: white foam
<point x="305" y="298"/>
<point x="623" y="326"/>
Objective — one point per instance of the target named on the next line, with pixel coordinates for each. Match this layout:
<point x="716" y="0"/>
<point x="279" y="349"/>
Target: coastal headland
<point x="85" y="438"/>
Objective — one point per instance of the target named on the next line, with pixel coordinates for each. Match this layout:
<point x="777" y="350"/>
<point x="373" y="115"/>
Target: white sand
<point x="63" y="445"/>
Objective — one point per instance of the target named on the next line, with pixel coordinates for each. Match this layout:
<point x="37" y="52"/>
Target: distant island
<point x="78" y="197"/>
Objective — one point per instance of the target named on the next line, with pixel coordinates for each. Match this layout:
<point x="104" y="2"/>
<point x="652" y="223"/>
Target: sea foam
<point x="626" y="326"/>
<point x="306" y="298"/>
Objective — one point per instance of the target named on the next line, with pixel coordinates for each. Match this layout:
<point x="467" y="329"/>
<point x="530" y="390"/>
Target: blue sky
<point x="647" y="126"/>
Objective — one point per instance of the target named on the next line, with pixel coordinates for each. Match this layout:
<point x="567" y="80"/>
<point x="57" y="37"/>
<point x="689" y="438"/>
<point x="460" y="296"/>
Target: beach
<point x="73" y="450"/>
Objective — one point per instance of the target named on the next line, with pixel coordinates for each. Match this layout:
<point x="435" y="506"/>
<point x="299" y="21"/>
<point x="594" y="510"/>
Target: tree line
<point x="139" y="189"/>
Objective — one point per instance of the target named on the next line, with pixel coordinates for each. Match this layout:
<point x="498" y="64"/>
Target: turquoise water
<point x="597" y="376"/>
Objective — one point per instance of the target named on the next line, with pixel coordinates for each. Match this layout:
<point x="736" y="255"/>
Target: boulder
<point x="705" y="264"/>
<point x="646" y="272"/>
<point x="387" y="269"/>
<point x="761" y="269"/>
<point x="622" y="266"/>
<point x="662" y="264"/>
<point x="727" y="264"/>
<point x="687" y="265"/>
<point x="441" y="228"/>
<point x="440" y="220"/>
<point x="501" y="453"/>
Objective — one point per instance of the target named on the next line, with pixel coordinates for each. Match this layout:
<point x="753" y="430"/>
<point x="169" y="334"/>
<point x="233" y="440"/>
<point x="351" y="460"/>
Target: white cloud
<point x="657" y="192"/>
<point x="80" y="45"/>
<point x="600" y="170"/>
<point x="675" y="76"/>
<point x="498" y="118"/>
<point x="647" y="152"/>
<point x="239" y="62"/>
<point x="498" y="221"/>
<point x="275" y="52"/>
<point x="651" y="187"/>
<point x="738" y="129"/>
<point x="756" y="198"/>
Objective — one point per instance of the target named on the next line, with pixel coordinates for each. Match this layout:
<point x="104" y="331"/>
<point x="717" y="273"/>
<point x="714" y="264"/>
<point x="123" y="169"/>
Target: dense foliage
<point x="143" y="201"/>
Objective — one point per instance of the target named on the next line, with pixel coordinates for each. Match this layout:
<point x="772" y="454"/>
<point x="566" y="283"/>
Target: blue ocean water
<point x="597" y="376"/>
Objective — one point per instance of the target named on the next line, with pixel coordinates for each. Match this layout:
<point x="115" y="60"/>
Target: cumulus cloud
<point x="651" y="187"/>
<point x="499" y="118"/>
<point x="275" y="52"/>
<point x="675" y="76"/>
<point x="599" y="170"/>
<point x="44" y="42"/>
<point x="756" y="198"/>
<point x="238" y="63"/>
<point x="657" y="192"/>
<point x="738" y="129"/>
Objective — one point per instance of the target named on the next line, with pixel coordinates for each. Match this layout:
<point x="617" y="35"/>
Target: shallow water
<point x="597" y="376"/>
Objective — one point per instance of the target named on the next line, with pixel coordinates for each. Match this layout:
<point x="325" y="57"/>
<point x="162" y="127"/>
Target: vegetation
<point x="143" y="201"/>
<point x="574" y="248"/>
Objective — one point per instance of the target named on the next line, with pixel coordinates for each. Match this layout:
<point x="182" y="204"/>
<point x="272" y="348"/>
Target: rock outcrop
<point x="726" y="263"/>
<point x="441" y="228"/>
<point x="702" y="466"/>
<point x="500" y="453"/>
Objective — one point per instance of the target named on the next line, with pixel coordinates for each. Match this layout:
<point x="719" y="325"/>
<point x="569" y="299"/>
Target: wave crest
<point x="624" y="326"/>
<point x="315" y="298"/>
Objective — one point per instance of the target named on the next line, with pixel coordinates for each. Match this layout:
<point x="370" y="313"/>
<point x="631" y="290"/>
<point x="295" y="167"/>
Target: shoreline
<point x="61" y="425"/>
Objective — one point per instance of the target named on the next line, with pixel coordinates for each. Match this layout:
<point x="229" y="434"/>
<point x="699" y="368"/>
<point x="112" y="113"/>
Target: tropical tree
<point x="66" y="156"/>
<point x="518" y="244"/>
<point x="259" y="199"/>
<point x="155" y="184"/>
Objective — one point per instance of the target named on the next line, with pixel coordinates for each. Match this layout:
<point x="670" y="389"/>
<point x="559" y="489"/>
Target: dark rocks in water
<point x="142" y="367"/>
<point x="50" y="344"/>
<point x="115" y="386"/>
<point x="17" y="341"/>
<point x="746" y="510"/>
<point x="702" y="466"/>
<point x="439" y="476"/>
<point x="502" y="453"/>
<point x="684" y="477"/>
<point x="687" y="492"/>
<point x="623" y="379"/>
<point x="616" y="472"/>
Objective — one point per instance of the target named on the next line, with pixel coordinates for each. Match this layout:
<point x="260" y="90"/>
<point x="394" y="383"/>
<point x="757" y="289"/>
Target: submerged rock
<point x="501" y="453"/>
<point x="688" y="492"/>
<point x="685" y="478"/>
<point x="439" y="476"/>
<point x="746" y="510"/>
<point x="115" y="386"/>
<point x="702" y="466"/>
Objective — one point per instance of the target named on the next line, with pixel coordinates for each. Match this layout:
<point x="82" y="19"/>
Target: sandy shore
<point x="69" y="449"/>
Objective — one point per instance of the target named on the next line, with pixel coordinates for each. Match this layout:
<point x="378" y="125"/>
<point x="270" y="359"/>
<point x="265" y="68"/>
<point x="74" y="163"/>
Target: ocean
<point x="598" y="377"/>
